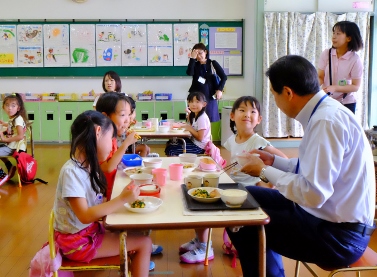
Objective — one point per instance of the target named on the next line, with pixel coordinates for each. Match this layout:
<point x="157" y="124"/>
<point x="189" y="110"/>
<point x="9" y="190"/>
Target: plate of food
<point x="205" y="194"/>
<point x="189" y="167"/>
<point x="177" y="130"/>
<point x="134" y="170"/>
<point x="144" y="204"/>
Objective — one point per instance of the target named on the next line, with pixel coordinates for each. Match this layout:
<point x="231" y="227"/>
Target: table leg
<point x="208" y="246"/>
<point x="262" y="251"/>
<point x="123" y="254"/>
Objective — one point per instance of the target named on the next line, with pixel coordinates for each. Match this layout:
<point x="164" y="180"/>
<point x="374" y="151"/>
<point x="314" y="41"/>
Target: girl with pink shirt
<point x="346" y="66"/>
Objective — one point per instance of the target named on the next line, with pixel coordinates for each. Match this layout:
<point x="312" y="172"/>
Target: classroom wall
<point x="136" y="10"/>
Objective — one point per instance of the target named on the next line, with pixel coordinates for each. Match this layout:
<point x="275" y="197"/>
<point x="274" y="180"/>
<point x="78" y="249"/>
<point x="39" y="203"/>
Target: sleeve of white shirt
<point x="319" y="167"/>
<point x="203" y="122"/>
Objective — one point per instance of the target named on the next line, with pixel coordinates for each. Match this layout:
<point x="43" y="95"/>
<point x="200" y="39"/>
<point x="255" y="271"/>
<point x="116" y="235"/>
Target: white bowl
<point x="134" y="170"/>
<point x="188" y="167"/>
<point x="163" y="128"/>
<point x="178" y="130"/>
<point x="202" y="199"/>
<point x="151" y="204"/>
<point x="152" y="162"/>
<point x="142" y="178"/>
<point x="233" y="198"/>
<point x="187" y="158"/>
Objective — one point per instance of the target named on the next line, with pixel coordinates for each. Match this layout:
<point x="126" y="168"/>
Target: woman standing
<point x="346" y="66"/>
<point x="203" y="79"/>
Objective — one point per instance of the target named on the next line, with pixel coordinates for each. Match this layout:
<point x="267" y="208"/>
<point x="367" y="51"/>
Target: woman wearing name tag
<point x="203" y="71"/>
<point x="340" y="68"/>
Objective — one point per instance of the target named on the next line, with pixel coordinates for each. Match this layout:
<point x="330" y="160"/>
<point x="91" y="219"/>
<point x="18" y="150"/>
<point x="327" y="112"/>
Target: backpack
<point x="27" y="167"/>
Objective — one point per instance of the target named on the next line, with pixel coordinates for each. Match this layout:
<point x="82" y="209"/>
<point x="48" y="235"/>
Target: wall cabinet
<point x="52" y="120"/>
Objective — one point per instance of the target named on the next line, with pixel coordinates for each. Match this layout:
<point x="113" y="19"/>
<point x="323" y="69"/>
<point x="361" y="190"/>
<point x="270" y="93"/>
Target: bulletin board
<point x="90" y="48"/>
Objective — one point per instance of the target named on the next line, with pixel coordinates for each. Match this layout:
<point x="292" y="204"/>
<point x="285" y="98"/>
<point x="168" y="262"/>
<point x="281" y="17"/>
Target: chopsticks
<point x="229" y="167"/>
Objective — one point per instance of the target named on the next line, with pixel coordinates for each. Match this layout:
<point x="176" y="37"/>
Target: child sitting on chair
<point x="14" y="137"/>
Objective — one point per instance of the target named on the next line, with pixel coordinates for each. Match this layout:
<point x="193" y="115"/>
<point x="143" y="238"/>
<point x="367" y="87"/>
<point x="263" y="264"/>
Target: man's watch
<point x="262" y="177"/>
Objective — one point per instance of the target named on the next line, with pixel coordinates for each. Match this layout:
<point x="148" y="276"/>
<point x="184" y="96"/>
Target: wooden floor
<point x="24" y="218"/>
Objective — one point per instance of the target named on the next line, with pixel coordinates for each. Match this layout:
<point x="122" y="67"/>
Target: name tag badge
<point x="342" y="82"/>
<point x="202" y="80"/>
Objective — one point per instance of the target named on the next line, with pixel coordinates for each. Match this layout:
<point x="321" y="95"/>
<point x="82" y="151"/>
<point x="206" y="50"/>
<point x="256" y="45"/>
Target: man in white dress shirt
<point x="322" y="209"/>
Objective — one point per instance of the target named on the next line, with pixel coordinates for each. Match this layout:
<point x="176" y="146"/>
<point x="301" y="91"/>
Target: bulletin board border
<point x="124" y="71"/>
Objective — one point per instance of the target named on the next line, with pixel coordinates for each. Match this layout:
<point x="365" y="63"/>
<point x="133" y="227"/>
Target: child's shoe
<point x="156" y="249"/>
<point x="197" y="255"/>
<point x="188" y="246"/>
<point x="3" y="177"/>
<point x="152" y="265"/>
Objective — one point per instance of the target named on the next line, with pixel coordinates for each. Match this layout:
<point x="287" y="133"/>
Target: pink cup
<point x="176" y="172"/>
<point x="159" y="175"/>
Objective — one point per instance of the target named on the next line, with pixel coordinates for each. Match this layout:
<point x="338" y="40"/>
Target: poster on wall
<point x="56" y="45"/>
<point x="30" y="45"/>
<point x="8" y="46"/>
<point x="82" y="45"/>
<point x="108" y="44"/>
<point x="185" y="37"/>
<point x="134" y="45"/>
<point x="225" y="46"/>
<point x="160" y="45"/>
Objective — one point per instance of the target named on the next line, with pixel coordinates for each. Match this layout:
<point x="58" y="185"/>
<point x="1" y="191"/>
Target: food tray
<point x="193" y="205"/>
<point x="140" y="129"/>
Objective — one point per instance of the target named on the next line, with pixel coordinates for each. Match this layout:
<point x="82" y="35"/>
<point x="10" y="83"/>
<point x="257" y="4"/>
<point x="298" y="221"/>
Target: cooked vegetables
<point x="138" y="204"/>
<point x="202" y="193"/>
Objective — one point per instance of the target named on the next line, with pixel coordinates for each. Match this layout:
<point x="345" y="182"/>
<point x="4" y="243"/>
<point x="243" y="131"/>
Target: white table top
<point x="170" y="214"/>
<point x="169" y="134"/>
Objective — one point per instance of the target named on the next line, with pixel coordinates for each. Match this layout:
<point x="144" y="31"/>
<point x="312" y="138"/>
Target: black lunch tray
<point x="193" y="205"/>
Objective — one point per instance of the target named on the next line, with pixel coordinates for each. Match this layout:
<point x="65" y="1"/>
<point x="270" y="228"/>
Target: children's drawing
<point x="82" y="34"/>
<point x="134" y="54"/>
<point x="160" y="56"/>
<point x="185" y="33"/>
<point x="108" y="55"/>
<point x="30" y="56"/>
<point x="182" y="54"/>
<point x="8" y="34"/>
<point x="56" y="56"/>
<point x="56" y="34"/>
<point x="204" y="36"/>
<point x="83" y="56"/>
<point x="8" y="56"/>
<point x="108" y="33"/>
<point x="29" y="34"/>
<point x="159" y="34"/>
<point x="134" y="33"/>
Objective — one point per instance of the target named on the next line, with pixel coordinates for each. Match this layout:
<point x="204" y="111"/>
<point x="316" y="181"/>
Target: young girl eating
<point x="199" y="126"/>
<point x="244" y="117"/>
<point x="79" y="198"/>
<point x="117" y="107"/>
<point x="14" y="136"/>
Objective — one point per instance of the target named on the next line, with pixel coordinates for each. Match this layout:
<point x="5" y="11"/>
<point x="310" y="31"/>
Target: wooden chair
<point x="367" y="262"/>
<point x="109" y="263"/>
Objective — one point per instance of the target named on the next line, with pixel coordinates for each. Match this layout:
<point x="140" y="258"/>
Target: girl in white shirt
<point x="244" y="117"/>
<point x="199" y="126"/>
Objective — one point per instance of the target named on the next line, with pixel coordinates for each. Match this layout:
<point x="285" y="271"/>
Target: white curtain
<point x="307" y="35"/>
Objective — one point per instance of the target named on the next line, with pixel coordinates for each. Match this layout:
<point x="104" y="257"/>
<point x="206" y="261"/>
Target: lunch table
<point x="146" y="135"/>
<point x="173" y="214"/>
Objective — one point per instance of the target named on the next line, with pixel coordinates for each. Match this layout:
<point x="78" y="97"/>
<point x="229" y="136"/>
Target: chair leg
<point x="208" y="246"/>
<point x="297" y="269"/>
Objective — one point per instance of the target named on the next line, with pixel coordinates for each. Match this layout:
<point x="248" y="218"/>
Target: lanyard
<point x="315" y="108"/>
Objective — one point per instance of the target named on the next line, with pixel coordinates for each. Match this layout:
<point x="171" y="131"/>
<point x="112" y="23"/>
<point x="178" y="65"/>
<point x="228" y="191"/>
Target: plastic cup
<point x="159" y="176"/>
<point x="176" y="172"/>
